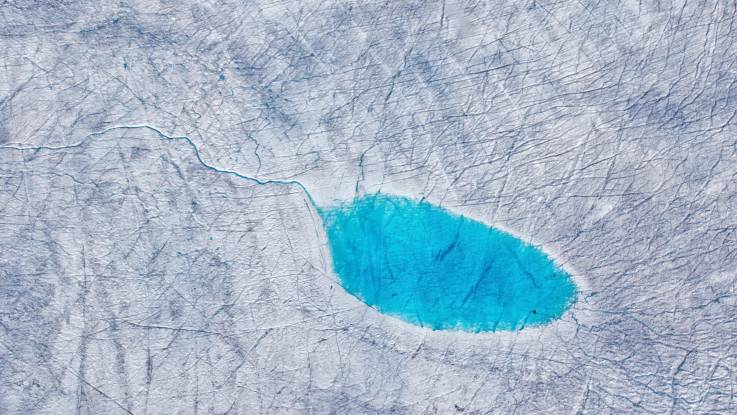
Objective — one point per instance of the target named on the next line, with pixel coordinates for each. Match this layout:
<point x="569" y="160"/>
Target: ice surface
<point x="145" y="273"/>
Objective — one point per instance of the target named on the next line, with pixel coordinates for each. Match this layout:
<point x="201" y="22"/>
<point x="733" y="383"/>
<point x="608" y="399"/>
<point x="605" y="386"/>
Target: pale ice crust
<point x="160" y="255"/>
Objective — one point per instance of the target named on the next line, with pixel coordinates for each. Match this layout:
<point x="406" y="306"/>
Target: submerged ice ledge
<point x="430" y="267"/>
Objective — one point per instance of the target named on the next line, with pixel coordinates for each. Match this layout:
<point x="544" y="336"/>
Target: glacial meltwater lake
<point x="433" y="268"/>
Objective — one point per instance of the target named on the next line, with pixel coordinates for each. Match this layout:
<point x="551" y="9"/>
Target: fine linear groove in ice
<point x="432" y="268"/>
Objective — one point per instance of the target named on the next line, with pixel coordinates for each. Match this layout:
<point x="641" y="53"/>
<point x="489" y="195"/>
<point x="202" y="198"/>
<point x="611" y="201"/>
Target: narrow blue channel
<point x="430" y="267"/>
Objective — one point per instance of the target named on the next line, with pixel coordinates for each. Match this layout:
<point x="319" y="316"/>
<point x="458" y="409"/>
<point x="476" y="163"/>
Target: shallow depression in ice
<point x="430" y="267"/>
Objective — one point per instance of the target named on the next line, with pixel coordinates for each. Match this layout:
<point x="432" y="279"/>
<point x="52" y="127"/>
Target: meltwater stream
<point x="430" y="267"/>
<point x="422" y="263"/>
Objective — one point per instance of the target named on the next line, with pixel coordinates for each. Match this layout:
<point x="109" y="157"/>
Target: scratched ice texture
<point x="159" y="253"/>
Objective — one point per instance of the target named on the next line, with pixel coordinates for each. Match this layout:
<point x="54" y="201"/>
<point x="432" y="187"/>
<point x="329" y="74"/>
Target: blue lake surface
<point x="430" y="267"/>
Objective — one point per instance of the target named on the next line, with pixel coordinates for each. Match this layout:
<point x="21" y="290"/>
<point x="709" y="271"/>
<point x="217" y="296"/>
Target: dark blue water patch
<point x="430" y="267"/>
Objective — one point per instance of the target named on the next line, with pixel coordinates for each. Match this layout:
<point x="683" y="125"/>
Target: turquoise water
<point x="432" y="268"/>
